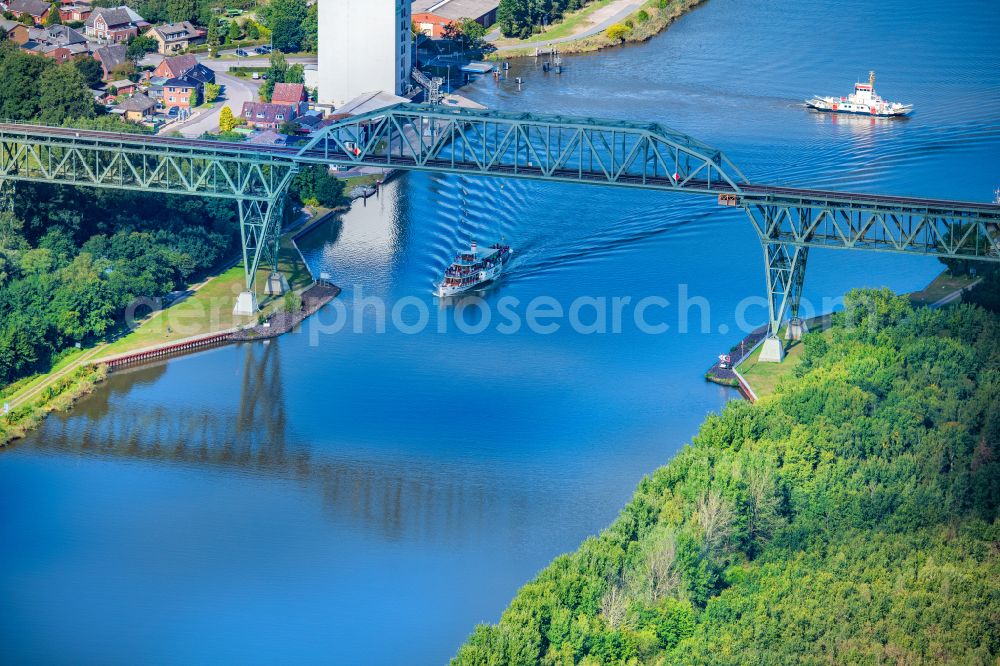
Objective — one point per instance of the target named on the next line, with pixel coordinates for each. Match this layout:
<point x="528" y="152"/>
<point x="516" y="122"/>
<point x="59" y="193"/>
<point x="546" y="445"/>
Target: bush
<point x="618" y="32"/>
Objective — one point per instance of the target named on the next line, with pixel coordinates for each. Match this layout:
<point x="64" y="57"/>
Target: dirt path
<point x="27" y="395"/>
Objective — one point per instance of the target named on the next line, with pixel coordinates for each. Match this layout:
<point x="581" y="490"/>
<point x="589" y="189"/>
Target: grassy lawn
<point x="940" y="287"/>
<point x="570" y="25"/>
<point x="210" y="307"/>
<point x="764" y="377"/>
<point x="365" y="180"/>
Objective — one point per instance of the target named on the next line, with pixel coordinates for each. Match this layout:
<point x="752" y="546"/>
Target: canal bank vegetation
<point x="646" y="22"/>
<point x="849" y="517"/>
<point x="57" y="395"/>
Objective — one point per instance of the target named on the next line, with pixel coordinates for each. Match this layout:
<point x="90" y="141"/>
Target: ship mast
<point x="871" y="78"/>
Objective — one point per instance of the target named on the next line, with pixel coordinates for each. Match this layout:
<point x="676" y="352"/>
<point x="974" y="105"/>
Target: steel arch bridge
<point x="788" y="221"/>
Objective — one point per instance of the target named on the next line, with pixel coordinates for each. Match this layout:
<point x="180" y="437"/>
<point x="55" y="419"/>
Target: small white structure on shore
<point x="363" y="45"/>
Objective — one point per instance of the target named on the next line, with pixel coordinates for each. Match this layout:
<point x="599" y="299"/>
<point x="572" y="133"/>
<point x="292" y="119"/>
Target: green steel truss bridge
<point x="788" y="221"/>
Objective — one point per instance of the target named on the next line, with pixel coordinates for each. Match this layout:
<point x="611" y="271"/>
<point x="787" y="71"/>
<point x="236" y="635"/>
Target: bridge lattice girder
<point x="525" y="145"/>
<point x="141" y="163"/>
<point x="933" y="229"/>
<point x="788" y="221"/>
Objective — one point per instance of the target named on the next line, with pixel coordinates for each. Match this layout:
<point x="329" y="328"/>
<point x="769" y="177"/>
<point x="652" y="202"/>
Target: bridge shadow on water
<point x="397" y="500"/>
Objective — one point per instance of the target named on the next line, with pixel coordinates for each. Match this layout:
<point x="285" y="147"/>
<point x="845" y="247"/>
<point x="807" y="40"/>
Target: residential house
<point x="291" y="93"/>
<point x="38" y="10"/>
<point x="179" y="67"/>
<point x="7" y="27"/>
<point x="113" y="24"/>
<point x="111" y="57"/>
<point x="178" y="92"/>
<point x="123" y="87"/>
<point x="18" y="33"/>
<point x="175" y="37"/>
<point x="138" y="107"/>
<point x="432" y="17"/>
<point x="310" y="122"/>
<point x="264" y="115"/>
<point x="58" y="42"/>
<point x="268" y="138"/>
<point x="74" y="11"/>
<point x="61" y="36"/>
<point x="173" y="67"/>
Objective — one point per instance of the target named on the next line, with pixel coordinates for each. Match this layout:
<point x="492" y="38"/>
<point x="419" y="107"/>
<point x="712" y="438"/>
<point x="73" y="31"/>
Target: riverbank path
<point x="599" y="21"/>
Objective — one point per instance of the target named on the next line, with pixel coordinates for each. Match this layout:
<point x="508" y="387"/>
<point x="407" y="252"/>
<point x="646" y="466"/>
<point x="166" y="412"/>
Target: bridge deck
<point x="748" y="192"/>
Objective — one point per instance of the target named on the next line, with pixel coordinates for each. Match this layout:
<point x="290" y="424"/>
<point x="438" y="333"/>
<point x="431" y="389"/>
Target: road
<point x="235" y="91"/>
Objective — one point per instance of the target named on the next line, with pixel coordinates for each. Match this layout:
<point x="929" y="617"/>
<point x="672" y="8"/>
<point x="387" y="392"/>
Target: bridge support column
<point x="260" y="232"/>
<point x="785" y="267"/>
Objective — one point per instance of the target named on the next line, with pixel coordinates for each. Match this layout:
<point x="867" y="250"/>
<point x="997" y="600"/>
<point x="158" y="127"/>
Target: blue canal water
<point x="368" y="497"/>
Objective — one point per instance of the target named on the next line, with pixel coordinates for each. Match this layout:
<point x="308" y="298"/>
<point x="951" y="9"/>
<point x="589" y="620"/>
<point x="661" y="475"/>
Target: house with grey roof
<point x="36" y="9"/>
<point x="175" y="37"/>
<point x="113" y="24"/>
<point x="111" y="57"/>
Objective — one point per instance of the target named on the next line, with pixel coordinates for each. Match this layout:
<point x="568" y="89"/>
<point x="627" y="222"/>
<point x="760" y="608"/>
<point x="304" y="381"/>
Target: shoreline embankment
<point x="637" y="31"/>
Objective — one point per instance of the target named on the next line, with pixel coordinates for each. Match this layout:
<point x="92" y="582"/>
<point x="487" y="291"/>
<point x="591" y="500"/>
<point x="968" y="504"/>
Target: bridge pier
<point x="785" y="268"/>
<point x="260" y="233"/>
<point x="277" y="284"/>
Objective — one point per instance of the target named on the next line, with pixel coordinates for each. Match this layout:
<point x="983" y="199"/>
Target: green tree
<point x="139" y="47"/>
<point x="310" y="29"/>
<point x="232" y="32"/>
<point x="20" y="74"/>
<point x="276" y="73"/>
<point x="64" y="94"/>
<point x="287" y="34"/>
<point x="195" y="99"/>
<point x="182" y="10"/>
<point x="212" y="91"/>
<point x="296" y="74"/>
<point x="212" y="37"/>
<point x="53" y="18"/>
<point x="91" y="70"/>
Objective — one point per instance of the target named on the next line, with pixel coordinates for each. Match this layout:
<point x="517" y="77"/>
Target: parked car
<point x="256" y="76"/>
<point x="173" y="112"/>
<point x="260" y="50"/>
<point x="241" y="53"/>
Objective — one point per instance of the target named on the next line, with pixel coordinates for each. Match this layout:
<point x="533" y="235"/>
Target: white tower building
<point x="364" y="46"/>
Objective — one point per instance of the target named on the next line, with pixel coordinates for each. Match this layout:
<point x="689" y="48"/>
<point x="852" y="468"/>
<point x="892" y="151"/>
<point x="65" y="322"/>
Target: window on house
<point x="260" y="115"/>
<point x="279" y="117"/>
<point x="248" y="114"/>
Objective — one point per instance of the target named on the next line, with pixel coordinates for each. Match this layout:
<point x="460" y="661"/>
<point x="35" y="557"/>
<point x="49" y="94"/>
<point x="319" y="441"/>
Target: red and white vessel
<point x="862" y="101"/>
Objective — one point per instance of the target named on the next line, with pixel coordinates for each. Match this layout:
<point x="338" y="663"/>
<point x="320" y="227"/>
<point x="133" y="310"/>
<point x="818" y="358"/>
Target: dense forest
<point x="849" y="518"/>
<point x="72" y="259"/>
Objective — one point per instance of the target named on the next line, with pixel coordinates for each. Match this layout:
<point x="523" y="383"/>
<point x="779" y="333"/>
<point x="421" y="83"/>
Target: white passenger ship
<point x="862" y="101"/>
<point x="474" y="268"/>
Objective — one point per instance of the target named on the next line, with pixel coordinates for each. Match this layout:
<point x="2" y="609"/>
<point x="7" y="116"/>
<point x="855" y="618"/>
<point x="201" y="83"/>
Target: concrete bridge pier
<point x="277" y="284"/>
<point x="785" y="267"/>
<point x="246" y="304"/>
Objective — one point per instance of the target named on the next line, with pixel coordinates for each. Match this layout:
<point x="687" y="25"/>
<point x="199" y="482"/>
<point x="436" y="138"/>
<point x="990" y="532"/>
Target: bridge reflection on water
<point x="435" y="501"/>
